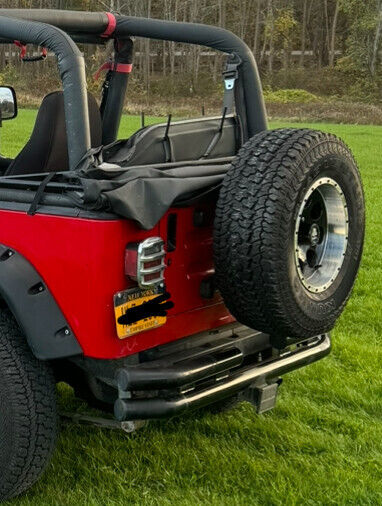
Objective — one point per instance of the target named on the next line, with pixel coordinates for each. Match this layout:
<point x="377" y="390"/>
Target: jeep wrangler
<point x="191" y="265"/>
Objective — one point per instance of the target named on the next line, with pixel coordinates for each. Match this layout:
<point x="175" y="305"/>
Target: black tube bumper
<point x="178" y="387"/>
<point x="179" y="374"/>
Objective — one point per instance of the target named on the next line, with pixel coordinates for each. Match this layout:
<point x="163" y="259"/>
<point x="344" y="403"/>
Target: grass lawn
<point x="321" y="445"/>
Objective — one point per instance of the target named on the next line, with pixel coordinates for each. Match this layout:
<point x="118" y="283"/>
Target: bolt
<point x="67" y="332"/>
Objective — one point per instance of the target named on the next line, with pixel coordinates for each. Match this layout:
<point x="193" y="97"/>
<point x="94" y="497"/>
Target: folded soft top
<point x="144" y="194"/>
<point x="159" y="166"/>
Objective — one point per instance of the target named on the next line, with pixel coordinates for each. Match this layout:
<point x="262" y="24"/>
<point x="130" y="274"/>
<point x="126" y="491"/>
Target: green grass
<point x="321" y="445"/>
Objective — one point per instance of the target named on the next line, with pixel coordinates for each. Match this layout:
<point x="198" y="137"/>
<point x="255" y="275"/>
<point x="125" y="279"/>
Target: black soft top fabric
<point x="141" y="178"/>
<point x="144" y="194"/>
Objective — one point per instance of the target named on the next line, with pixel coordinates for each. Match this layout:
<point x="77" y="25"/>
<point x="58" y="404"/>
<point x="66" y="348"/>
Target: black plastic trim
<point x="37" y="313"/>
<point x="66" y="212"/>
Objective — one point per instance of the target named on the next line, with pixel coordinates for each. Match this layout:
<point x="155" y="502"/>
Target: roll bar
<point x="213" y="37"/>
<point x="91" y="25"/>
<point x="72" y="71"/>
<point x="71" y="22"/>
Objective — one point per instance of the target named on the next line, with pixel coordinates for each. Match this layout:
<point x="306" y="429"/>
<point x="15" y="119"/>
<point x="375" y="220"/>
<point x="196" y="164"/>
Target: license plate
<point x="134" y="307"/>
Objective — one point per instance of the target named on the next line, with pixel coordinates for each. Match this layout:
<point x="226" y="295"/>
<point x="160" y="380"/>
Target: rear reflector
<point x="145" y="262"/>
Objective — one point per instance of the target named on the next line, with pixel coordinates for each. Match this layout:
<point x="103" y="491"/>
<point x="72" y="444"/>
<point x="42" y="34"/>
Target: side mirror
<point x="8" y="103"/>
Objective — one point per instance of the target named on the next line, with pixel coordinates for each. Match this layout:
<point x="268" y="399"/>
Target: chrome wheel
<point x="321" y="235"/>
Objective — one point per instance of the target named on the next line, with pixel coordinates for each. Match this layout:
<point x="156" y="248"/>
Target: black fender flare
<point x="35" y="309"/>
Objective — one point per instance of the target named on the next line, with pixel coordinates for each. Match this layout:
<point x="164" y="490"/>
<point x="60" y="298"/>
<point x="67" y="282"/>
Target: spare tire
<point x="289" y="232"/>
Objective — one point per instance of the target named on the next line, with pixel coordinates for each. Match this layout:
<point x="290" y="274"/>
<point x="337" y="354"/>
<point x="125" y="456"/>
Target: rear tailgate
<point x="188" y="236"/>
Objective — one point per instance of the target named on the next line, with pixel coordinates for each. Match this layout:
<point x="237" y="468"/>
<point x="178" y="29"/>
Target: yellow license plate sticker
<point x="136" y="301"/>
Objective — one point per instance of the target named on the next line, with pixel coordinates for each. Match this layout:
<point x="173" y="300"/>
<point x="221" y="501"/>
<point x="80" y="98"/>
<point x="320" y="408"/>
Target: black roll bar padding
<point x="114" y="92"/>
<point x="72" y="71"/>
<point x="213" y="37"/>
<point x="68" y="21"/>
<point x="76" y="22"/>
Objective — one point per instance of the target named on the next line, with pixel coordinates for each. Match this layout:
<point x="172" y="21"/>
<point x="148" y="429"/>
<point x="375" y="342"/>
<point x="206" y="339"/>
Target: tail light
<point x="145" y="262"/>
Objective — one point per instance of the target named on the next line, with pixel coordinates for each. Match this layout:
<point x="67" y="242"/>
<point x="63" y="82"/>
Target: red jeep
<point x="137" y="270"/>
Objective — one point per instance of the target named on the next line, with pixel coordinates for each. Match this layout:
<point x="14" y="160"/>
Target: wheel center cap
<point x="314" y="235"/>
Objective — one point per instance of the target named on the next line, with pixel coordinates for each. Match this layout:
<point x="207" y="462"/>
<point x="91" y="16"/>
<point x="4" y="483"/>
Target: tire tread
<point x="31" y="401"/>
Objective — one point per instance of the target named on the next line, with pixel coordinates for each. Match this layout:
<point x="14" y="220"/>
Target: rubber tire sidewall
<point x="317" y="306"/>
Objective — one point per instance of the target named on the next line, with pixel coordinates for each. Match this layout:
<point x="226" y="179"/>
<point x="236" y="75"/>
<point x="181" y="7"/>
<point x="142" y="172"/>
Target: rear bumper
<point x="180" y="381"/>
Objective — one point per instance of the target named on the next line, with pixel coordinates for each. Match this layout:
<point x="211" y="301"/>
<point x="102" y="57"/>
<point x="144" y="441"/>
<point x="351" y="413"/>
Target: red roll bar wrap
<point x="122" y="68"/>
<point x="23" y="52"/>
<point x="112" y="24"/>
<point x="23" y="48"/>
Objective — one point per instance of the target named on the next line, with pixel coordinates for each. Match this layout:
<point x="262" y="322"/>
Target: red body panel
<point x="82" y="263"/>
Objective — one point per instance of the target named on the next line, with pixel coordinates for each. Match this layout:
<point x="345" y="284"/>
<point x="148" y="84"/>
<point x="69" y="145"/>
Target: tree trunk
<point x="147" y="55"/>
<point x="377" y="40"/>
<point x="333" y="36"/>
<point x="303" y="34"/>
<point x="222" y="19"/>
<point x="271" y="37"/>
<point x="172" y="44"/>
<point x="326" y="45"/>
<point x="257" y="29"/>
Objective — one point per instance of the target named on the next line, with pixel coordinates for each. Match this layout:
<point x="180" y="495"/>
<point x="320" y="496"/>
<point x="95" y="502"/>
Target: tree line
<point x="283" y="34"/>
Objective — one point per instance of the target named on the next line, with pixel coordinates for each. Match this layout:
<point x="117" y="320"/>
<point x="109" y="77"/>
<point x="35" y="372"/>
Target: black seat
<point x="47" y="148"/>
